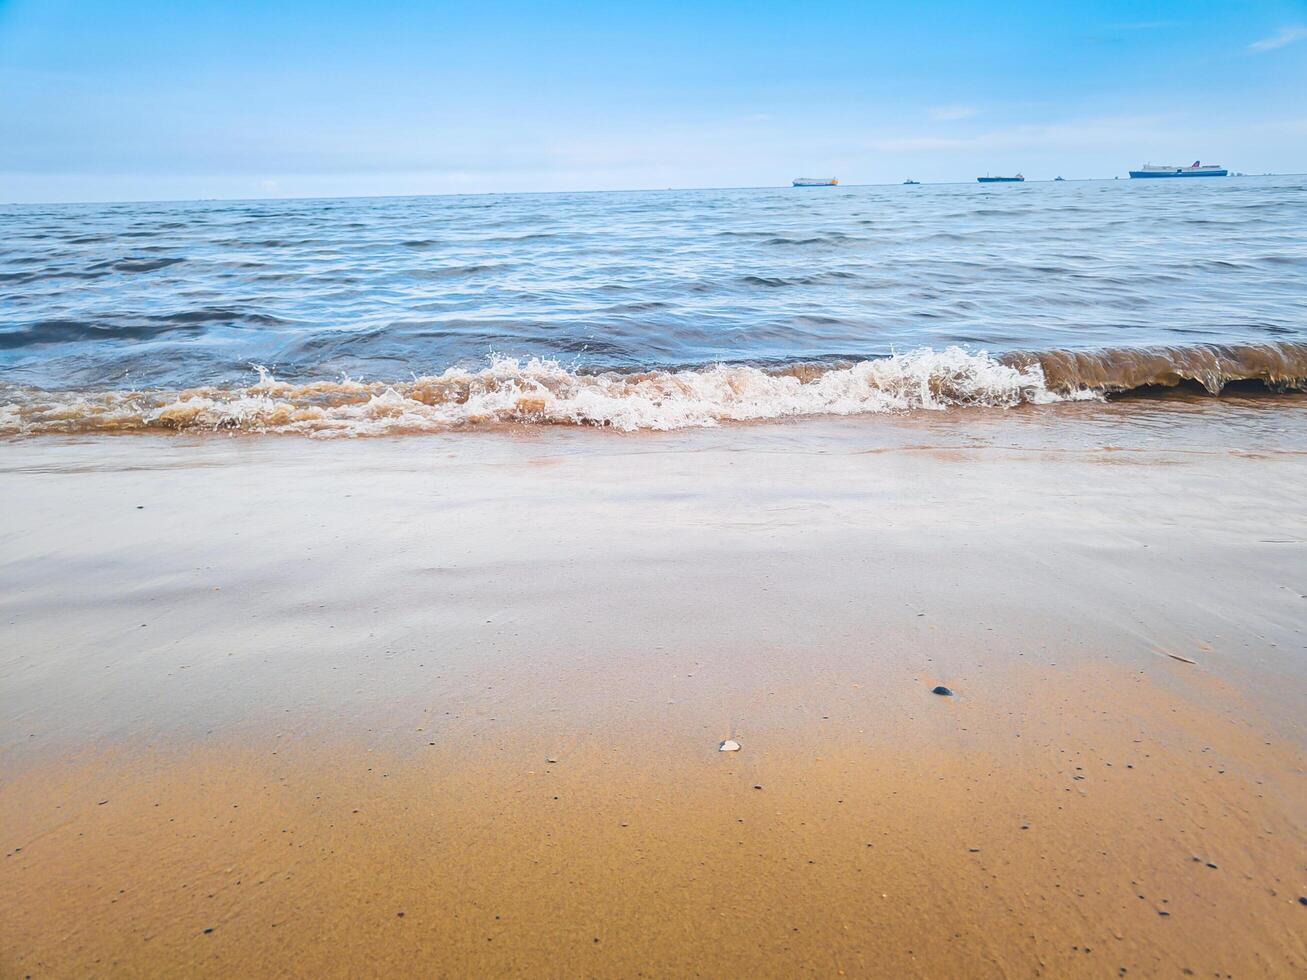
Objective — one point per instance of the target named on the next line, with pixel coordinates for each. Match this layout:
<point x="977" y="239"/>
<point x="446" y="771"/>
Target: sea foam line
<point x="543" y="391"/>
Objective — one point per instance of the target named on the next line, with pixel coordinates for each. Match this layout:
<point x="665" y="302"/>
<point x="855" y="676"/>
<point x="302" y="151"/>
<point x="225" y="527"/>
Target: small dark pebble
<point x="399" y="915"/>
<point x="1211" y="865"/>
<point x="1302" y="900"/>
<point x="208" y="930"/>
<point x="942" y="690"/>
<point x="756" y="786"/>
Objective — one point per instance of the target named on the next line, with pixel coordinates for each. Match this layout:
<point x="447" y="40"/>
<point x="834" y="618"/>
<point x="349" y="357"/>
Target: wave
<point x="537" y="391"/>
<point x="130" y="326"/>
<point x="1280" y="366"/>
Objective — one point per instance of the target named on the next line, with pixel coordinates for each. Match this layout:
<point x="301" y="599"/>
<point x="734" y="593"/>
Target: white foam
<point x="542" y="391"/>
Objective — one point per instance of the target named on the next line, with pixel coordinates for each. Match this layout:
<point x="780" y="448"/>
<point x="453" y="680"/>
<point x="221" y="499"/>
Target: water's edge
<point x="542" y="391"/>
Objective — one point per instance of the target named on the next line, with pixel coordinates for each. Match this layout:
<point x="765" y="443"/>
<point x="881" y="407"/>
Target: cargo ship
<point x="815" y="181"/>
<point x="1001" y="180"/>
<point x="1196" y="169"/>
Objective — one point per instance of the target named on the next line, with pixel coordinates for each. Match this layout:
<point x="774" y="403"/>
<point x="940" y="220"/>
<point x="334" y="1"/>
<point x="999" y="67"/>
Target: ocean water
<point x="644" y="309"/>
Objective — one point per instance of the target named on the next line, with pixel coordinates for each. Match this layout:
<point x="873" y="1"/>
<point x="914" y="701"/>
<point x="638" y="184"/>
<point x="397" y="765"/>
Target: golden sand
<point x="295" y="715"/>
<point x="1082" y="842"/>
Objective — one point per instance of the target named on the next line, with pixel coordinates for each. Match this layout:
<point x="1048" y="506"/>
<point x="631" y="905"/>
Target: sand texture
<point x="451" y="705"/>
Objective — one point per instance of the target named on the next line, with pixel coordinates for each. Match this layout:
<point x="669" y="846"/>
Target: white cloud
<point x="947" y="113"/>
<point x="1287" y="35"/>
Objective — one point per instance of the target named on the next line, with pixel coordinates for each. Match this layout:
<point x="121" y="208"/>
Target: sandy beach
<point x="603" y="491"/>
<point x="451" y="705"/>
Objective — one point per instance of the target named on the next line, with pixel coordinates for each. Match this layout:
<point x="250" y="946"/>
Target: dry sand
<point x="277" y="707"/>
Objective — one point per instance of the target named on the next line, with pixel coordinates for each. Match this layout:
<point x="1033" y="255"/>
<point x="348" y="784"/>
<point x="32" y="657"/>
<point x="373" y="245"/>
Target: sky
<point x="104" y="100"/>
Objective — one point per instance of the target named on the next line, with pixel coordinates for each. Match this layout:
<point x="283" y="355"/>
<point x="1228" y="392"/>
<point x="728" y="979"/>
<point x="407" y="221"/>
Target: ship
<point x="815" y="181"/>
<point x="1195" y="169"/>
<point x="1001" y="180"/>
<point x="911" y="181"/>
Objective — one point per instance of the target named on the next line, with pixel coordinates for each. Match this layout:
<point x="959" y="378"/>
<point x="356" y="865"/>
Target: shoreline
<point x="262" y="636"/>
<point x="511" y="392"/>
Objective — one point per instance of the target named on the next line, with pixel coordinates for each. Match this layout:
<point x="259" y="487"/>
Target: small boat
<point x="815" y="181"/>
<point x="1195" y="169"/>
<point x="1001" y="180"/>
<point x="1056" y="179"/>
<point x="911" y="181"/>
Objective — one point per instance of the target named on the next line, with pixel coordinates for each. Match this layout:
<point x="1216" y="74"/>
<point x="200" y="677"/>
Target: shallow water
<point x="525" y="295"/>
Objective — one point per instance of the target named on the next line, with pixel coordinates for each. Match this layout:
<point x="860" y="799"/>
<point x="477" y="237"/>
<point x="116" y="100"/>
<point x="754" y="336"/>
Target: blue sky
<point x="191" y="98"/>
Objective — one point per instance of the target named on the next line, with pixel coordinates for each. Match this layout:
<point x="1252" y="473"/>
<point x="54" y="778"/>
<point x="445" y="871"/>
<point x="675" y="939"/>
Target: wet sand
<point x="280" y="707"/>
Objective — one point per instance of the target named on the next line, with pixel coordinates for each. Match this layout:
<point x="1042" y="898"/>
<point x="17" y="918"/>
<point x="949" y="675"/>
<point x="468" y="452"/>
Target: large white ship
<point x="1195" y="169"/>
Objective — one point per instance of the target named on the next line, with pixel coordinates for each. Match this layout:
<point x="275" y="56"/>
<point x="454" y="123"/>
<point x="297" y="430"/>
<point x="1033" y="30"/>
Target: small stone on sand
<point x="730" y="745"/>
<point x="942" y="690"/>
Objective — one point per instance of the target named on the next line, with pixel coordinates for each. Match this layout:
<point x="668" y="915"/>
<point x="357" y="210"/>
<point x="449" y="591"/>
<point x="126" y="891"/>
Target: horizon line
<point x="964" y="182"/>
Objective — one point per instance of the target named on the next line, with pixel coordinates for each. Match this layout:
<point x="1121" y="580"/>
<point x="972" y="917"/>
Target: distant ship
<point x="815" y="181"/>
<point x="1001" y="180"/>
<point x="911" y="181"/>
<point x="1195" y="169"/>
<point x="1056" y="179"/>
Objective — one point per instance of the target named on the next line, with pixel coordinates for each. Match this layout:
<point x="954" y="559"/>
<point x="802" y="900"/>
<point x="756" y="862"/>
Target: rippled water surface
<point x="184" y="294"/>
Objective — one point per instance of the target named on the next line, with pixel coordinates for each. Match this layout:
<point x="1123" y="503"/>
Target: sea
<point x="644" y="310"/>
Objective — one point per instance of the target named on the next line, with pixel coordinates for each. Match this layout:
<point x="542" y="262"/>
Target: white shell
<point x="730" y="745"/>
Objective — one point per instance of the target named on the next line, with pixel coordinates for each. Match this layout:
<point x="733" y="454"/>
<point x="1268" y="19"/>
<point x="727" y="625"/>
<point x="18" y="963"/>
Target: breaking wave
<point x="1280" y="367"/>
<point x="508" y="391"/>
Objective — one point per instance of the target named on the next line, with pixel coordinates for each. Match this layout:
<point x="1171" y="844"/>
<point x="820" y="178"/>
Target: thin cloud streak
<point x="1287" y="35"/>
